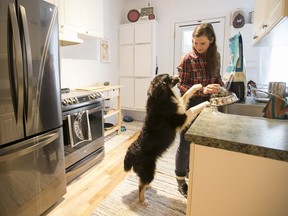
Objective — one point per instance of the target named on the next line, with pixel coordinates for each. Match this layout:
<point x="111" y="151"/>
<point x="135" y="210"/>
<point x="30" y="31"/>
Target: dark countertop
<point x="249" y="135"/>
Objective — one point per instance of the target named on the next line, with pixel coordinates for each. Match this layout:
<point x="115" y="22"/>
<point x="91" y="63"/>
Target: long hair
<point x="206" y="29"/>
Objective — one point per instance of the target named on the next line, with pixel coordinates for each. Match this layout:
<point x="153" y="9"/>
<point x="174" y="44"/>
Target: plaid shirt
<point x="192" y="71"/>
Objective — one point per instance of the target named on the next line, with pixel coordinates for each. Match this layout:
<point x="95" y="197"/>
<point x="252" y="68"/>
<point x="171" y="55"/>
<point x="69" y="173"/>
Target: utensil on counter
<point x="277" y="88"/>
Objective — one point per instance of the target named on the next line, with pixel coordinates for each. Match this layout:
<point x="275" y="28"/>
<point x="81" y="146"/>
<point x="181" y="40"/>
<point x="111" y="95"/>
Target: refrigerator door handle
<point x="28" y="69"/>
<point x="15" y="64"/>
<point x="26" y="147"/>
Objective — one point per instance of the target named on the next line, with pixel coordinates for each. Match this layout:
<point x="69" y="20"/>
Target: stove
<point x="83" y="131"/>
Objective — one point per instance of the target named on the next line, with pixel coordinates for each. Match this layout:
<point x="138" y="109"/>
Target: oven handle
<point x="96" y="109"/>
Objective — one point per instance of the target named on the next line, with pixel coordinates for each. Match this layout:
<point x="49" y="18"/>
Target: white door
<point x="127" y="92"/>
<point x="126" y="34"/>
<point x="141" y="88"/>
<point x="143" y="32"/>
<point x="126" y="60"/>
<point x="183" y="38"/>
<point x="143" y="60"/>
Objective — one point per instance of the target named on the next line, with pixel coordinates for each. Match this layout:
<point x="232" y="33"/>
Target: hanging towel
<point x="234" y="78"/>
<point x="276" y="108"/>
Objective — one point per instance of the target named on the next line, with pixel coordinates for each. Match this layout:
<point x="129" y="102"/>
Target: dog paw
<point x="143" y="203"/>
<point x="194" y="89"/>
<point x="207" y="103"/>
<point x="148" y="187"/>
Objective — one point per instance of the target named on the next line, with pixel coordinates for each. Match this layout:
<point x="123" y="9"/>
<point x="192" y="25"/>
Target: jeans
<point x="183" y="151"/>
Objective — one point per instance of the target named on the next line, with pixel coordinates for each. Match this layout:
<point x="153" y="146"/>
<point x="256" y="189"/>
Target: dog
<point x="166" y="115"/>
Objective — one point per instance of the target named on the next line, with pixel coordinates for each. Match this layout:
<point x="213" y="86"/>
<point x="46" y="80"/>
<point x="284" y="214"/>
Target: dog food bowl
<point x="223" y="99"/>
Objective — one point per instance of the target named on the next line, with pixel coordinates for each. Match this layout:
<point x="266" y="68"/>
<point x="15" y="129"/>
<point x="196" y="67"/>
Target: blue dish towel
<point x="276" y="108"/>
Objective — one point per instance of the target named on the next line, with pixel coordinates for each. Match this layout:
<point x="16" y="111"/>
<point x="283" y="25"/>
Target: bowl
<point x="219" y="100"/>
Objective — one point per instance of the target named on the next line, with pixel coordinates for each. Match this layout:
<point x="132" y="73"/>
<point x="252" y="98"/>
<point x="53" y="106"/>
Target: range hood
<point x="69" y="38"/>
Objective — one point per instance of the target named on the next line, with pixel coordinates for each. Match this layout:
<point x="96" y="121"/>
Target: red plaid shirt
<point x="192" y="71"/>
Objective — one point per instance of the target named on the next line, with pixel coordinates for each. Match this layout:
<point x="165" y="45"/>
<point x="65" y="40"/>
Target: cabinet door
<point x="127" y="92"/>
<point x="126" y="60"/>
<point x="143" y="33"/>
<point x="141" y="88"/>
<point x="92" y="17"/>
<point x="260" y="21"/>
<point x="126" y="34"/>
<point x="274" y="13"/>
<point x="70" y="13"/>
<point x="143" y="60"/>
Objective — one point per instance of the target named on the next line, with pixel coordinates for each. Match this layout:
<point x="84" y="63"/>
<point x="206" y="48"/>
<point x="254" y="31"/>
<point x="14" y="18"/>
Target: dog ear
<point x="157" y="90"/>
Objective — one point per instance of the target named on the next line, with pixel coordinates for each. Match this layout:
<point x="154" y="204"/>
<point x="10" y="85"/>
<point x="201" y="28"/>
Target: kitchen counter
<point x="238" y="165"/>
<point x="250" y="135"/>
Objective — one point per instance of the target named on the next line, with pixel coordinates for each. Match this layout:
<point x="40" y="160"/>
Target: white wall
<point x="80" y="64"/>
<point x="169" y="12"/>
<point x="273" y="67"/>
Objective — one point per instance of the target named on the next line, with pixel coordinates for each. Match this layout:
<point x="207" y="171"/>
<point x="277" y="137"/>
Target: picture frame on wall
<point x="105" y="50"/>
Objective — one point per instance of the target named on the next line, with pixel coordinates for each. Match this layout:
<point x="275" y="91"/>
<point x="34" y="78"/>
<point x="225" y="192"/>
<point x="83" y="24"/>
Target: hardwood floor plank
<point x="88" y="190"/>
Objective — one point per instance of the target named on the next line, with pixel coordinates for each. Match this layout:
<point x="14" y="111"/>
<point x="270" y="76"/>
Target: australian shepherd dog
<point x="166" y="115"/>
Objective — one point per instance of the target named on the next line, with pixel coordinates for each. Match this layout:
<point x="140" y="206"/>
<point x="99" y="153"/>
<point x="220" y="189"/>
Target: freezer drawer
<point x="32" y="174"/>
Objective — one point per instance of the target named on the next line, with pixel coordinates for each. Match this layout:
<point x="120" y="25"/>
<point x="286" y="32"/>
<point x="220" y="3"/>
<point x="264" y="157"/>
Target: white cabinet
<point x="141" y="88"/>
<point x="260" y="25"/>
<point x="91" y="19"/>
<point x="83" y="17"/>
<point x="137" y="61"/>
<point x="268" y="13"/>
<point x="127" y="92"/>
<point x="229" y="183"/>
<point x="79" y="20"/>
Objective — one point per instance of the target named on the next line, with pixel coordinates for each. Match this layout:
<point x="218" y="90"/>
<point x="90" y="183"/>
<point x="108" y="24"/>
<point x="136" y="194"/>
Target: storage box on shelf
<point x="137" y="61"/>
<point x="269" y="16"/>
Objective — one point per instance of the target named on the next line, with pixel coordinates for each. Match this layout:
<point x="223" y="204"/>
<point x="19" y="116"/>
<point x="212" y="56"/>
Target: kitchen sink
<point x="243" y="109"/>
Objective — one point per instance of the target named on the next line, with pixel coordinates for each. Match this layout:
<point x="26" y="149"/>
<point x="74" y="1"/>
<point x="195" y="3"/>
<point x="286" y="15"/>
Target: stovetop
<point x="72" y="99"/>
<point x="75" y="93"/>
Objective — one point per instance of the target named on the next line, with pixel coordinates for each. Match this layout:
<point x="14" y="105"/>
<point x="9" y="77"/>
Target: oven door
<point x="83" y="125"/>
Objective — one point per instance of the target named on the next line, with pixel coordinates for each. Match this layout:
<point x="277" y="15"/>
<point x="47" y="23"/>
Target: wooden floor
<point x="87" y="191"/>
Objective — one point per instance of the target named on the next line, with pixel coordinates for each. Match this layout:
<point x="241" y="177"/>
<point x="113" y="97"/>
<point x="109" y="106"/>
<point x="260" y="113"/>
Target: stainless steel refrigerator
<point x="32" y="173"/>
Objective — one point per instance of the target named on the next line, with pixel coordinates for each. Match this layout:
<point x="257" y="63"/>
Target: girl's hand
<point x="211" y="89"/>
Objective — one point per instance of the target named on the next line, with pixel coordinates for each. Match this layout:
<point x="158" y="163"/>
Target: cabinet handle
<point x="255" y="37"/>
<point x="264" y="26"/>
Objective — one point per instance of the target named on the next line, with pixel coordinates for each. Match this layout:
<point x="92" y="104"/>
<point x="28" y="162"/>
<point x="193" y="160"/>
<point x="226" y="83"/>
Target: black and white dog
<point x="166" y="115"/>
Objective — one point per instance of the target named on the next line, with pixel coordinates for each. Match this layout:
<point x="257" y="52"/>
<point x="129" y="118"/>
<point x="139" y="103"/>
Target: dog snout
<point x="176" y="78"/>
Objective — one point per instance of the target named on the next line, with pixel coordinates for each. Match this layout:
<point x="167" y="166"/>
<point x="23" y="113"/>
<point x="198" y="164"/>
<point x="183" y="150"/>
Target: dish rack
<point x="261" y="93"/>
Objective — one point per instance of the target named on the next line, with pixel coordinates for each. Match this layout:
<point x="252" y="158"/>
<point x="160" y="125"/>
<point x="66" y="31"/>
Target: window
<point x="183" y="37"/>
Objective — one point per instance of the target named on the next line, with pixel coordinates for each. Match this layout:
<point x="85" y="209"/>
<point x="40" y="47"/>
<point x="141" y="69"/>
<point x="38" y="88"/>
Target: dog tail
<point x="128" y="161"/>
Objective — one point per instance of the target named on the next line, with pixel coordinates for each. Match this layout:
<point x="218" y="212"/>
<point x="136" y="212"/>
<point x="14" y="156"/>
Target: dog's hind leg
<point x="145" y="178"/>
<point x="142" y="189"/>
